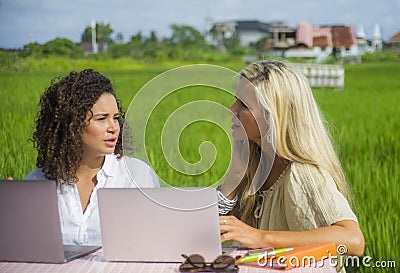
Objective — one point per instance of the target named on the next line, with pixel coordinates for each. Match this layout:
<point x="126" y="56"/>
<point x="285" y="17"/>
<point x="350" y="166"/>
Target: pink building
<point x="325" y="36"/>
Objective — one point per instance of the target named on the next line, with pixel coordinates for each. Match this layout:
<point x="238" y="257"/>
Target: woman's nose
<point x="113" y="126"/>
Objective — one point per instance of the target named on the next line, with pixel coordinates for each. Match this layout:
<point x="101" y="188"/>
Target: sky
<point x="25" y="21"/>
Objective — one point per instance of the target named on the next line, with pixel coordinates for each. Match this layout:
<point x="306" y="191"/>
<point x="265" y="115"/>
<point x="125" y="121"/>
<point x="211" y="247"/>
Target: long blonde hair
<point x="300" y="133"/>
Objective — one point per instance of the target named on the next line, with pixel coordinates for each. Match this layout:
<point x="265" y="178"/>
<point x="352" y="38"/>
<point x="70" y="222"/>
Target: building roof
<point x="304" y="34"/>
<point x="323" y="36"/>
<point x="87" y="46"/>
<point x="321" y="41"/>
<point x="395" y="37"/>
<point x="343" y="36"/>
<point x="252" y="25"/>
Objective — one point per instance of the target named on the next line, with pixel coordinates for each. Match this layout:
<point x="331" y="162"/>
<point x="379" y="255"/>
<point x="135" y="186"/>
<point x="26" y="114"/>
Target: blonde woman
<point x="291" y="191"/>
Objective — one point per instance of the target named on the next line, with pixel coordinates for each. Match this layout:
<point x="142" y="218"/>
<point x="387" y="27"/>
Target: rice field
<point x="363" y="118"/>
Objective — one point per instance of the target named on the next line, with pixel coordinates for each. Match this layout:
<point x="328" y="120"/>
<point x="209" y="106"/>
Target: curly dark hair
<point x="61" y="119"/>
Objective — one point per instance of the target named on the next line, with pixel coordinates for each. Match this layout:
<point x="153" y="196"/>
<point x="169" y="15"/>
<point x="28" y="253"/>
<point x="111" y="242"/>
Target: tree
<point x="103" y="33"/>
<point x="138" y="38"/>
<point x="134" y="48"/>
<point x="119" y="38"/>
<point x="62" y="47"/>
<point x="185" y="35"/>
<point x="31" y="49"/>
<point x="232" y="45"/>
<point x="186" y="43"/>
<point x="153" y="48"/>
<point x="56" y="47"/>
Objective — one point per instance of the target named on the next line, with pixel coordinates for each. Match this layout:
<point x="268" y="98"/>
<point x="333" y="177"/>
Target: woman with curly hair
<point x="79" y="146"/>
<point x="286" y="186"/>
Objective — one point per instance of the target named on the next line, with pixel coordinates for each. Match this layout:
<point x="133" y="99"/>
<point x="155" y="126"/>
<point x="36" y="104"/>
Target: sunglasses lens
<point x="197" y="259"/>
<point x="193" y="261"/>
<point x="224" y="262"/>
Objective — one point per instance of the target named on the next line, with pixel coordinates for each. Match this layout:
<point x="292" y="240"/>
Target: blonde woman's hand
<point x="240" y="157"/>
<point x="234" y="229"/>
<point x="237" y="169"/>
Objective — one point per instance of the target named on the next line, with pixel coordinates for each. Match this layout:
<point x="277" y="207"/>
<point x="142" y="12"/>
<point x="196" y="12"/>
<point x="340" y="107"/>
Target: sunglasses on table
<point x="197" y="263"/>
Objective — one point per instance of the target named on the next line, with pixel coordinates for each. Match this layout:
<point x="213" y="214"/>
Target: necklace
<point x="282" y="174"/>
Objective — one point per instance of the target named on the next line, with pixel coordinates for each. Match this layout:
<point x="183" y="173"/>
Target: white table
<point x="94" y="263"/>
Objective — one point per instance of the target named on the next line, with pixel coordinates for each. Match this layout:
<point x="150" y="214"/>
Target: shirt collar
<point x="108" y="164"/>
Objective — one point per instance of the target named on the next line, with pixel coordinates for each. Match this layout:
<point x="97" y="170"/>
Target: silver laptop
<point x="159" y="224"/>
<point x="30" y="226"/>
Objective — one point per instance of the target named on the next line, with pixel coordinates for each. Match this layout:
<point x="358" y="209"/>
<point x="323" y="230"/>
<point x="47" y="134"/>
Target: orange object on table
<point x="309" y="255"/>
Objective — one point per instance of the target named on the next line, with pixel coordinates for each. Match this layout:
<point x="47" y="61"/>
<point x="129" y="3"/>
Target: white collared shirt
<point x="80" y="228"/>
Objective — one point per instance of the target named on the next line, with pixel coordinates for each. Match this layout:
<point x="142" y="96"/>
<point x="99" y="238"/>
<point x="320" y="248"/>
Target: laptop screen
<point x="159" y="224"/>
<point x="30" y="227"/>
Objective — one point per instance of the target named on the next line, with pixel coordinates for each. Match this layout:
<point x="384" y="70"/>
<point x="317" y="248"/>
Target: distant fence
<point x="318" y="75"/>
<point x="330" y="76"/>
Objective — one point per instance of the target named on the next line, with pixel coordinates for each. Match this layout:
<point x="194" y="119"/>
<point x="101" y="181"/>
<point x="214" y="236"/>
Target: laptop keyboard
<point x="71" y="251"/>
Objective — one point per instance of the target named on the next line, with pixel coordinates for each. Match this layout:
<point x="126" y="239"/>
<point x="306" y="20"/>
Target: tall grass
<point x="364" y="120"/>
<point x="366" y="127"/>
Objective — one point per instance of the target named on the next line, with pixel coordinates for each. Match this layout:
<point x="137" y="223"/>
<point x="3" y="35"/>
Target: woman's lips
<point x="111" y="142"/>
<point x="234" y="126"/>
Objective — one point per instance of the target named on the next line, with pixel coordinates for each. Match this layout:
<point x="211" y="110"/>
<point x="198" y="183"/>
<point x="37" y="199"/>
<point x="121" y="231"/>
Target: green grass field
<point x="364" y="121"/>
